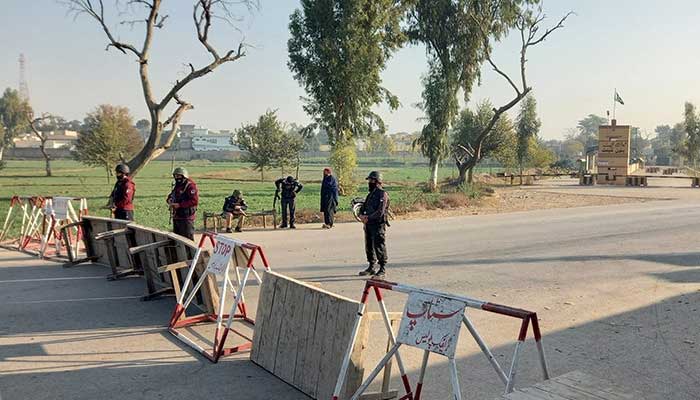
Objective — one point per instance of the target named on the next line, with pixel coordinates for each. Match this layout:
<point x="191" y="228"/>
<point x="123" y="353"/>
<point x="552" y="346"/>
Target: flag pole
<point x="614" y="103"/>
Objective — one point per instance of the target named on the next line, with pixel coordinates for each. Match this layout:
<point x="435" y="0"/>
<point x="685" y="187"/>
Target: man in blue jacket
<point x="329" y="197"/>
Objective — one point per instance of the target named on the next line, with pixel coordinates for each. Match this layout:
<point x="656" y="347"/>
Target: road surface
<point x="616" y="289"/>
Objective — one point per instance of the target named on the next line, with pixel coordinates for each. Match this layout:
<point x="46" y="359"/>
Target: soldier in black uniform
<point x="373" y="215"/>
<point x="289" y="187"/>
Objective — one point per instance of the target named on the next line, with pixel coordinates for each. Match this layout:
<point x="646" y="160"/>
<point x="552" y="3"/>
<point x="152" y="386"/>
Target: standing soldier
<point x="183" y="201"/>
<point x="329" y="197"/>
<point x="289" y="187"/>
<point x="374" y="216"/>
<point x="121" y="201"/>
<point x="234" y="206"/>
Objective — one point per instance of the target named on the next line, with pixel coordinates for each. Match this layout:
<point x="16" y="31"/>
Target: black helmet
<point x="290" y="179"/>
<point x="122" y="169"/>
<point x="236" y="193"/>
<point x="376" y="175"/>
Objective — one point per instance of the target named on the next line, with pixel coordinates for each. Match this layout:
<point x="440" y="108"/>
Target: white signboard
<point x="431" y="323"/>
<point x="223" y="250"/>
<point x="60" y="207"/>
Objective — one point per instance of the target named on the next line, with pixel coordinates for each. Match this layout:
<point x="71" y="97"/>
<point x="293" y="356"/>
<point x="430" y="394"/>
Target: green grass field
<point x="215" y="182"/>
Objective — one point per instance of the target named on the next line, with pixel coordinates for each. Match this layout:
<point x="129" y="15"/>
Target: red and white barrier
<point x="227" y="251"/>
<point x="42" y="219"/>
<point x="432" y="321"/>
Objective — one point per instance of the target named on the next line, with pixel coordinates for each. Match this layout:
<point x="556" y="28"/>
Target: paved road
<point x="616" y="288"/>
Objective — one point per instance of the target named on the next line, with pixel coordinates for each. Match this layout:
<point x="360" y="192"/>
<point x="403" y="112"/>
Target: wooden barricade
<point x="165" y="258"/>
<point x="130" y="249"/>
<point x="300" y="332"/>
<point x="107" y="242"/>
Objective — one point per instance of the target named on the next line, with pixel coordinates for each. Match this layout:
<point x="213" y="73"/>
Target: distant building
<point x="58" y="139"/>
<point x="213" y="142"/>
<point x="187" y="130"/>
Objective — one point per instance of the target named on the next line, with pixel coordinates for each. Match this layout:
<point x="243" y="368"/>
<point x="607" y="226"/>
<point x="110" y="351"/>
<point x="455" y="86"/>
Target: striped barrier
<point x="431" y="321"/>
<point x="227" y="251"/>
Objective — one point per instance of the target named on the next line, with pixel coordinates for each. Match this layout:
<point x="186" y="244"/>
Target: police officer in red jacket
<point x="121" y="201"/>
<point x="183" y="201"/>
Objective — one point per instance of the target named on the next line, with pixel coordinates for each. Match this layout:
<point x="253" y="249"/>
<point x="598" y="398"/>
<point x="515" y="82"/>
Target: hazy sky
<point x="648" y="49"/>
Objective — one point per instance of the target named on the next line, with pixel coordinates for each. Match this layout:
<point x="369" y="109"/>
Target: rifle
<point x="277" y="197"/>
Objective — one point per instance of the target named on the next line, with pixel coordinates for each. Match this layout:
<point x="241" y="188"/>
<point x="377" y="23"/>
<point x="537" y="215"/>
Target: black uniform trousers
<point x="127" y="215"/>
<point x="375" y="246"/>
<point x="288" y="205"/>
<point x="184" y="227"/>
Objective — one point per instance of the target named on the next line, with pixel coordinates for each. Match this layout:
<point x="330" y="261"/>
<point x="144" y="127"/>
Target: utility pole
<point x="23" y="86"/>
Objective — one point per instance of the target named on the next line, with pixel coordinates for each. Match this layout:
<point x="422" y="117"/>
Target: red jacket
<point x="123" y="194"/>
<point x="187" y="196"/>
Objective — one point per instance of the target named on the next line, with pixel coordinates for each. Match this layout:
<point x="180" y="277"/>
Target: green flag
<point x="619" y="99"/>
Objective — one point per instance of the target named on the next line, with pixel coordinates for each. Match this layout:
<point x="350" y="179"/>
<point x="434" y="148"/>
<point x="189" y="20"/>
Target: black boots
<point x="368" y="271"/>
<point x="380" y="273"/>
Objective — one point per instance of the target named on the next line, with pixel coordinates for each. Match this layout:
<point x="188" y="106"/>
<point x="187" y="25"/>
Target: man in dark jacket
<point x="121" y="201"/>
<point x="374" y="216"/>
<point x="329" y="198"/>
<point x="183" y="201"/>
<point x="234" y="206"/>
<point x="289" y="188"/>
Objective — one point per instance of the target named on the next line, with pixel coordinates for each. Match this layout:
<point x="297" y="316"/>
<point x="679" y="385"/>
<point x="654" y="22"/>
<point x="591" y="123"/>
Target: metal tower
<point x="23" y="86"/>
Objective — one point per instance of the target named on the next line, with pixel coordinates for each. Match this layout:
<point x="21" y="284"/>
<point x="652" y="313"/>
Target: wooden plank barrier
<point x="161" y="257"/>
<point x="301" y="334"/>
<point x="165" y="258"/>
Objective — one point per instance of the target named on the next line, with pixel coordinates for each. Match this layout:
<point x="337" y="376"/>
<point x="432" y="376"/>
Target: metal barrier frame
<point x="222" y="331"/>
<point x="527" y="317"/>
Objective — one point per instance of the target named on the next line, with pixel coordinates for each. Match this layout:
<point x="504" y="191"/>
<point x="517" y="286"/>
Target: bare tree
<point x="40" y="127"/>
<point x="528" y="22"/>
<point x="204" y="13"/>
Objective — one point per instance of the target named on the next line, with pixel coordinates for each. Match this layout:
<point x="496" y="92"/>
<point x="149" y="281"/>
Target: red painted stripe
<point x="523" y="329"/>
<point x="381" y="284"/>
<point x="406" y="384"/>
<point x="536" y="327"/>
<point x="505" y="310"/>
<point x="419" y="387"/>
<point x="378" y="293"/>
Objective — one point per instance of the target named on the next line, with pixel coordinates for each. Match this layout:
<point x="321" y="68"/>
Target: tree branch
<point x="86" y="7"/>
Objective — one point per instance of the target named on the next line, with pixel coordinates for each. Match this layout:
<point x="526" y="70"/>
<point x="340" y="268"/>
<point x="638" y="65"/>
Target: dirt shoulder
<point x="517" y="199"/>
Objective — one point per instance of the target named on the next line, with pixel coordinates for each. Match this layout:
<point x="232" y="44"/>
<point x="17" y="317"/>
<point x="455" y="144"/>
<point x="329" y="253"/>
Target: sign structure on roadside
<point x="431" y="323"/>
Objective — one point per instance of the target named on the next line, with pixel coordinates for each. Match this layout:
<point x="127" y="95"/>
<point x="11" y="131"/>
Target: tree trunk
<point x="47" y="158"/>
<point x="2" y="150"/>
<point x="433" y="176"/>
<point x="462" y="173"/>
<point x="262" y="174"/>
<point x="521" y="174"/>
<point x="470" y="179"/>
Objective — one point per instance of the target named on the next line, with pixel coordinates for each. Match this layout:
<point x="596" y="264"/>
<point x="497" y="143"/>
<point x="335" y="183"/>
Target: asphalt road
<point x="616" y="289"/>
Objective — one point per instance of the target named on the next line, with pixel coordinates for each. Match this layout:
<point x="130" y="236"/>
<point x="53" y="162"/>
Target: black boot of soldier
<point x="368" y="271"/>
<point x="380" y="273"/>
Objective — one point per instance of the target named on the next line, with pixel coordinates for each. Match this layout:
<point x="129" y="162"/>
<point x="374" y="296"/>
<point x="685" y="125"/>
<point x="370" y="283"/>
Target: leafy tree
<point x="493" y="19"/>
<point x="13" y="117"/>
<point x="107" y="137"/>
<point x="337" y="51"/>
<point x="268" y="144"/>
<point x="692" y="134"/>
<point x="166" y="110"/>
<point x="528" y="126"/>
<point x="500" y="143"/>
<point x="379" y="143"/>
<point x="539" y="155"/>
<point x="588" y="129"/>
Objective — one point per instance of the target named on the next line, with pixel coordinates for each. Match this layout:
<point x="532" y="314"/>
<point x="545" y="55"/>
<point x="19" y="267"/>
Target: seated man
<point x="234" y="206"/>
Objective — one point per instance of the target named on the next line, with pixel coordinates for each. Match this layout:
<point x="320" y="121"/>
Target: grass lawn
<point x="215" y="181"/>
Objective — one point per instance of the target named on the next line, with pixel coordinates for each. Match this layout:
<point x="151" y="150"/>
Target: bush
<point x="473" y="191"/>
